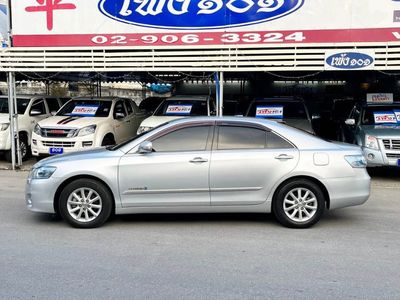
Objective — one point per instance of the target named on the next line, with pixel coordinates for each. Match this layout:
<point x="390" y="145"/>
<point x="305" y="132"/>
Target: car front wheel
<point x="85" y="203"/>
<point x="299" y="204"/>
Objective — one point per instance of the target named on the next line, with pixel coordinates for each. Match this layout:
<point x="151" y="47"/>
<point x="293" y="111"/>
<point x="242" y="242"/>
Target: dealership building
<point x="319" y="50"/>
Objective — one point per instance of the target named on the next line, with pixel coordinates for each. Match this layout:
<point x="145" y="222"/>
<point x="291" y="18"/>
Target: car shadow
<point x="195" y="218"/>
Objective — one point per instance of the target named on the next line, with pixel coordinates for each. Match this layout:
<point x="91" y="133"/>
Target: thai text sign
<point x="202" y="22"/>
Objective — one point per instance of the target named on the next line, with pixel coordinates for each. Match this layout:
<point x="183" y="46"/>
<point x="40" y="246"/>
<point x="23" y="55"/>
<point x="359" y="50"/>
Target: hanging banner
<point x="63" y="23"/>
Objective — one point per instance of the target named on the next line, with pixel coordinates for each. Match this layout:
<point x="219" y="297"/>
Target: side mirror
<point x="119" y="115"/>
<point x="53" y="113"/>
<point x="146" y="147"/>
<point x="315" y="117"/>
<point x="350" y="122"/>
<point x="35" y="112"/>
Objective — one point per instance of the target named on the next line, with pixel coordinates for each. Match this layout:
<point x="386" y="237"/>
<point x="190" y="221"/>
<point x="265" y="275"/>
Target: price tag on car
<point x="269" y="112"/>
<point x="54" y="151"/>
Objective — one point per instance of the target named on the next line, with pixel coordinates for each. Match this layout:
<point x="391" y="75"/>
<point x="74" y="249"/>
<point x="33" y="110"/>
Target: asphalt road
<point x="353" y="253"/>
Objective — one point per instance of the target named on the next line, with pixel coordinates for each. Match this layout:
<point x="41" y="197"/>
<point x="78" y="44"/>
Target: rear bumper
<point x="349" y="191"/>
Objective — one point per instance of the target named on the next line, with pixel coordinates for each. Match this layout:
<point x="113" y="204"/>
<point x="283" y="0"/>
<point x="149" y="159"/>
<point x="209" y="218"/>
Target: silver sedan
<point x="203" y="165"/>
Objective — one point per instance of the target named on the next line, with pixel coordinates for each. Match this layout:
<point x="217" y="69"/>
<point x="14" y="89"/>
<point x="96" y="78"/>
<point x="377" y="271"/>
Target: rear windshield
<point x="22" y="104"/>
<point x="182" y="108"/>
<point x="382" y="114"/>
<point x="277" y="110"/>
<point x="86" y="108"/>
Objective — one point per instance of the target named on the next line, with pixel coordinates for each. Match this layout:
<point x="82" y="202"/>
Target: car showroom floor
<point x="350" y="253"/>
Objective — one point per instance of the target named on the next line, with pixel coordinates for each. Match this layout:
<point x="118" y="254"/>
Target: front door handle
<point x="198" y="160"/>
<point x="284" y="157"/>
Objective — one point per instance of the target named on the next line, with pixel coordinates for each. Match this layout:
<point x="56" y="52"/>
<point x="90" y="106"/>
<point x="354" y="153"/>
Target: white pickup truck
<point x="85" y="123"/>
<point x="31" y="109"/>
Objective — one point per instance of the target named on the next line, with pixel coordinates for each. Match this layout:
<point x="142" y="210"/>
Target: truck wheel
<point x="25" y="149"/>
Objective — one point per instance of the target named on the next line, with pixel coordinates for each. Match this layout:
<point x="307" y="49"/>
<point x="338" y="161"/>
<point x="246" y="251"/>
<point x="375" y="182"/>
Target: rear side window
<point x="128" y="104"/>
<point x="236" y="137"/>
<point x="52" y="104"/>
<point x="276" y="142"/>
<point x="185" y="139"/>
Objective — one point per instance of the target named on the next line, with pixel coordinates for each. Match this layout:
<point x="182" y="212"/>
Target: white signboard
<point x="178" y="110"/>
<point x="269" y="112"/>
<point x="385" y="117"/>
<point x="380" y="98"/>
<point x="61" y="23"/>
<point x="87" y="111"/>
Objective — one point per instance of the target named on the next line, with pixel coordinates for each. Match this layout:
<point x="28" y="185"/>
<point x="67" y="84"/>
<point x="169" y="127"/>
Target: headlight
<point x="37" y="130"/>
<point x="44" y="172"/>
<point x="143" y="129"/>
<point x="371" y="142"/>
<point x="87" y="130"/>
<point x="356" y="161"/>
<point x="4" y="126"/>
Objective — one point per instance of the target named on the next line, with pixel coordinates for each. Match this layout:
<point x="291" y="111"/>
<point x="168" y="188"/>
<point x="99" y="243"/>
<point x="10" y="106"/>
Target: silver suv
<point x="374" y="127"/>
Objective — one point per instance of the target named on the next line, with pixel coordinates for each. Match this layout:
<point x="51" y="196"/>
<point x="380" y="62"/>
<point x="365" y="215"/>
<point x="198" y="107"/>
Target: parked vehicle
<point x="179" y="107"/>
<point x="204" y="165"/>
<point x="84" y="123"/>
<point x="31" y="109"/>
<point x="290" y="110"/>
<point x="376" y="128"/>
<point x="150" y="104"/>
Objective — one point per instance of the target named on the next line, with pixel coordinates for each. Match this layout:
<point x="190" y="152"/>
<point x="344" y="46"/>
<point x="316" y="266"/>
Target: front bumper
<point x="39" y="194"/>
<point x="378" y="158"/>
<point x="41" y="145"/>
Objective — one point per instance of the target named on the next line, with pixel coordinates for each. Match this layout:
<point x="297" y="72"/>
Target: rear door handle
<point x="198" y="160"/>
<point x="284" y="157"/>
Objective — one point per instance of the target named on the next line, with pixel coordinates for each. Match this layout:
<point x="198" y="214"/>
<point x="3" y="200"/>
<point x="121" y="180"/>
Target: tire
<point x="25" y="149"/>
<point x="108" y="141"/>
<point x="90" y="214"/>
<point x="292" y="211"/>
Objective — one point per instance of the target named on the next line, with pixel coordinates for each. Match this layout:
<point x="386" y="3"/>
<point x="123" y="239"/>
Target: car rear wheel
<point x="85" y="203"/>
<point x="299" y="204"/>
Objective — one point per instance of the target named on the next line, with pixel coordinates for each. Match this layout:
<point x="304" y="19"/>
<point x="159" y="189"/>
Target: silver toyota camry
<point x="203" y="165"/>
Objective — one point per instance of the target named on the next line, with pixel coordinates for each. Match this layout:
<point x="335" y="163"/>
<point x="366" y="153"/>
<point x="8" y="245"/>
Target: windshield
<point x="86" y="108"/>
<point x="182" y="108"/>
<point x="277" y="110"/>
<point x="382" y="114"/>
<point x="22" y="104"/>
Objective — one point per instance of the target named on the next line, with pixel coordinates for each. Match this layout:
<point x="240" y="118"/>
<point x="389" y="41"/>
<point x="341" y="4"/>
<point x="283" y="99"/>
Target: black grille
<point x="391" y="144"/>
<point x="393" y="155"/>
<point x="53" y="132"/>
<point x="58" y="144"/>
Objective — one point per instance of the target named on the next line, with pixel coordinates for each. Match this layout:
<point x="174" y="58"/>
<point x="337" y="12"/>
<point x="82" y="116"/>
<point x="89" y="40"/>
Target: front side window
<point x="236" y="137"/>
<point x="38" y="106"/>
<point x="185" y="139"/>
<point x="119" y="109"/>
